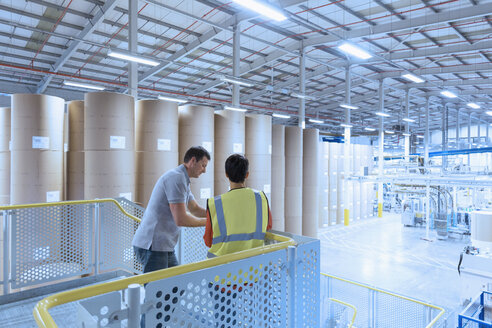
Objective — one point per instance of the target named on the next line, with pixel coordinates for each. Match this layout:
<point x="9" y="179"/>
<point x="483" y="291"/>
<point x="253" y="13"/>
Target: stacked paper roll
<point x="310" y="183"/>
<point x="323" y="197"/>
<point x="109" y="145"/>
<point x="36" y="149"/>
<point x="293" y="179"/>
<point x="75" y="155"/>
<point x="229" y="139"/>
<point x="4" y="156"/>
<point x="196" y="128"/>
<point x="278" y="177"/>
<point x="156" y="135"/>
<point x="333" y="183"/>
<point x="259" y="152"/>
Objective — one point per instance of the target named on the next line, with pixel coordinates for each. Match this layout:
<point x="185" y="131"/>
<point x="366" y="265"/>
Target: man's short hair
<point x="198" y="152"/>
<point x="236" y="167"/>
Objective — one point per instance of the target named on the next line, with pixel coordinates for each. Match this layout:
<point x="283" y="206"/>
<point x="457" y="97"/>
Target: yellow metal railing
<point x="75" y="202"/>
<point x="430" y="324"/>
<point x="44" y="319"/>
<point x="347" y="305"/>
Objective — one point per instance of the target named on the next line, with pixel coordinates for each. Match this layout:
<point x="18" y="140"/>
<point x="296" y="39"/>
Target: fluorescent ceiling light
<point x="382" y="114"/>
<point x="236" y="81"/>
<point x="348" y="106"/>
<point x="312" y="120"/>
<point x="370" y="129"/>
<point x="489" y="112"/>
<point x="473" y="105"/>
<point x="389" y="132"/>
<point x="237" y="109"/>
<point x="262" y="9"/>
<point x="133" y="58"/>
<point x="448" y="94"/>
<point x="302" y="96"/>
<point x="407" y="119"/>
<point x="345" y="125"/>
<point x="406" y="134"/>
<point x="420" y="137"/>
<point x="413" y="78"/>
<point x="172" y="99"/>
<point x="354" y="50"/>
<point x="83" y="85"/>
<point x="280" y="115"/>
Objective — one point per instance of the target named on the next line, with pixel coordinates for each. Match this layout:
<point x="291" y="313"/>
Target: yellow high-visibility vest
<point x="239" y="221"/>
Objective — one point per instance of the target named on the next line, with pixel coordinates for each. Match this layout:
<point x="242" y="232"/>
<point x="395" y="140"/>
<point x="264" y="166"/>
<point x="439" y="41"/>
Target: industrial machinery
<point x="412" y="212"/>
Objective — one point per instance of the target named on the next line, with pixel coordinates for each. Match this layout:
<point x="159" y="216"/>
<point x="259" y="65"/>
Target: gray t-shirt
<point x="158" y="228"/>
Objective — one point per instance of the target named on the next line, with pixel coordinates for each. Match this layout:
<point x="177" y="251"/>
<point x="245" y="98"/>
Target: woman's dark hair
<point x="198" y="152"/>
<point x="236" y="167"/>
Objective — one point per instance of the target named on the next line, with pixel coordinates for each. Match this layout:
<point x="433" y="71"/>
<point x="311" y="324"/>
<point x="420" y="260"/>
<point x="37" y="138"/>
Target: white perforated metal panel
<point x="50" y="243"/>
<point x="192" y="245"/>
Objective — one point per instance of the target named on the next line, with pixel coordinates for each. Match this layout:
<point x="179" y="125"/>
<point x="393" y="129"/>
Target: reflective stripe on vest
<point x="223" y="238"/>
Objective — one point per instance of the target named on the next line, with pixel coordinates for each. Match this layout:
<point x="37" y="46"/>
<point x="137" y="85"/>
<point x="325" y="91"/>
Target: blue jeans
<point x="155" y="260"/>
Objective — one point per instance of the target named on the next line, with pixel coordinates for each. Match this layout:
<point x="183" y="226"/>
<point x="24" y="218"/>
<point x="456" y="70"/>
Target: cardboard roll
<point x="155" y="162"/>
<point x="75" y="125"/>
<point x="156" y="127"/>
<point x="108" y="115"/>
<point x="37" y="122"/>
<point x="75" y="175"/>
<point x="109" y="174"/>
<point x="4" y="128"/>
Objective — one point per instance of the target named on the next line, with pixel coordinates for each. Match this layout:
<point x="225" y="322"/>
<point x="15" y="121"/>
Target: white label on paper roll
<point x="127" y="195"/>
<point x="267" y="189"/>
<point x="208" y="146"/>
<point x="40" y="142"/>
<point x="237" y="148"/>
<point x="164" y="144"/>
<point x="117" y="142"/>
<point x="205" y="192"/>
<point x="53" y="196"/>
<point x="65" y="147"/>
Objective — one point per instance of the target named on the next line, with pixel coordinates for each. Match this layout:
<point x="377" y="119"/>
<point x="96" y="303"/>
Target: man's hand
<point x="183" y="219"/>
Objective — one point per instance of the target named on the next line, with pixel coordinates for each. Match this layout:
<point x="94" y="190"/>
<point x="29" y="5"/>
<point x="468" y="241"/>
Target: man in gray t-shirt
<point x="157" y="234"/>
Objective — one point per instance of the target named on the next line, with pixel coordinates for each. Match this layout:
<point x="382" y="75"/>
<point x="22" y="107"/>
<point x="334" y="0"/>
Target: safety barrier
<point x="477" y="313"/>
<point x="376" y="307"/>
<point x="51" y="242"/>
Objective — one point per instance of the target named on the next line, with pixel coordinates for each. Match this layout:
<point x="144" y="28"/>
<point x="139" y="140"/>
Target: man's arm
<point x="184" y="219"/>
<point x="196" y="209"/>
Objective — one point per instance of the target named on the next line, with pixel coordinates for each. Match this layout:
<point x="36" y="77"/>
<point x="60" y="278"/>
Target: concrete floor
<point x="385" y="254"/>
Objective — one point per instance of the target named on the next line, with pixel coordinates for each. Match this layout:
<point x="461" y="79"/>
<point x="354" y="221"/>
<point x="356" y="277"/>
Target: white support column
<point x="346" y="150"/>
<point x="444" y="134"/>
<point x="236" y="61"/>
<point x="427" y="134"/>
<point x="469" y="136"/>
<point x="302" y="88"/>
<point x="381" y="148"/>
<point x="457" y="128"/>
<point x="133" y="47"/>
<point x="407" y="126"/>
<point x="478" y="129"/>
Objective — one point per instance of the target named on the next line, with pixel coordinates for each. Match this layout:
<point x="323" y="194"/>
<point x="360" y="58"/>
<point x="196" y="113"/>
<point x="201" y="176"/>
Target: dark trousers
<point x="153" y="261"/>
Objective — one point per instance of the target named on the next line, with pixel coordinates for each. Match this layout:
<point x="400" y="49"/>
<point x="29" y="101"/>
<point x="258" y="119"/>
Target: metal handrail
<point x="432" y="323"/>
<point x="74" y="202"/>
<point x="347" y="305"/>
<point x="44" y="319"/>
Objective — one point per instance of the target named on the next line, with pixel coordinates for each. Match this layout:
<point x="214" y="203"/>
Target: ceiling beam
<point x="75" y="44"/>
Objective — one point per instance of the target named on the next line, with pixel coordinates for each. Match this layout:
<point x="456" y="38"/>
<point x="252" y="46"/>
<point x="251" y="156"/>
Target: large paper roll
<point x="293" y="179"/>
<point x="278" y="177"/>
<point x="4" y="156"/>
<point x="37" y="148"/>
<point x="310" y="183"/>
<point x="109" y="163"/>
<point x="109" y="121"/>
<point x="229" y="139"/>
<point x="75" y="125"/>
<point x="75" y="175"/>
<point x="75" y="155"/>
<point x="156" y="138"/>
<point x="196" y="128"/>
